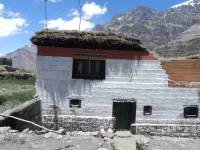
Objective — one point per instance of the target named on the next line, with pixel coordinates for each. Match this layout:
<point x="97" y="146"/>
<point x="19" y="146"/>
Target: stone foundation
<point x="77" y="123"/>
<point x="174" y="130"/>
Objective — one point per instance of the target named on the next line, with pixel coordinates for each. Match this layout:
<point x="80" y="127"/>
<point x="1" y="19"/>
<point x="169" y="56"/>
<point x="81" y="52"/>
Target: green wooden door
<point x="124" y="114"/>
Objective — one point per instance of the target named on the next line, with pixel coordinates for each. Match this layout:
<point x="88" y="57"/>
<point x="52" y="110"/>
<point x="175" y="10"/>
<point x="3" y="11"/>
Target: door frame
<point x="132" y="110"/>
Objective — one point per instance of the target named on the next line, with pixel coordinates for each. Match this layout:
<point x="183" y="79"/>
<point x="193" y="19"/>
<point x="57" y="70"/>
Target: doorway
<point x="124" y="112"/>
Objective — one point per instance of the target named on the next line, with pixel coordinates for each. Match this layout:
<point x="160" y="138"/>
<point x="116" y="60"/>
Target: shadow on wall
<point x="123" y="68"/>
<point x="55" y="112"/>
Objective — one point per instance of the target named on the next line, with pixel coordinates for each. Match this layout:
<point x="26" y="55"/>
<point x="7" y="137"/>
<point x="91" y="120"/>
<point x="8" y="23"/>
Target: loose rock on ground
<point x="78" y="140"/>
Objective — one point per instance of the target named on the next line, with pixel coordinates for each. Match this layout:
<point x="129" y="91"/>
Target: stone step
<point x="150" y="91"/>
<point x="148" y="99"/>
<point x="175" y="100"/>
<point x="128" y="143"/>
<point x="145" y="71"/>
<point x="136" y="80"/>
<point x="121" y="61"/>
<point x="134" y="67"/>
<point x="165" y="107"/>
<point x="123" y="86"/>
<point x="169" y="121"/>
<point x="137" y="75"/>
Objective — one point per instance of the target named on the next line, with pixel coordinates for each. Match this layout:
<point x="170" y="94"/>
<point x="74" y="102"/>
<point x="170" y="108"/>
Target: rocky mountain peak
<point x="24" y="58"/>
<point x="155" y="28"/>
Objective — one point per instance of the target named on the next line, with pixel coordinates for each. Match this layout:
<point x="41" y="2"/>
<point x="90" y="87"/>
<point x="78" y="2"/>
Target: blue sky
<point x="19" y="19"/>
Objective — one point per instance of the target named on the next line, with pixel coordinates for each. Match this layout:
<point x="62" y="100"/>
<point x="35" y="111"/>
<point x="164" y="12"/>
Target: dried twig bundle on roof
<point x="87" y="40"/>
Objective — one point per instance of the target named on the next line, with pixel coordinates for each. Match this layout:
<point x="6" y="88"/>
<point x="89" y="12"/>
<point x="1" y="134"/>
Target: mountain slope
<point x="155" y="28"/>
<point x="187" y="44"/>
<point x="24" y="58"/>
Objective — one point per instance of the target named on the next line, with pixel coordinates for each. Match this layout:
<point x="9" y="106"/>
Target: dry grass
<point x="13" y="92"/>
<point x="141" y="146"/>
<point x="10" y="86"/>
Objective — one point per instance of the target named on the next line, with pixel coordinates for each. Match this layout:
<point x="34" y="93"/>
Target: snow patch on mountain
<point x="189" y="3"/>
<point x="119" y="18"/>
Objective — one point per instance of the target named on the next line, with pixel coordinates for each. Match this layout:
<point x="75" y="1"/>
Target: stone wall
<point x="30" y="110"/>
<point x="17" y="76"/>
<point x="77" y="123"/>
<point x="6" y="61"/>
<point x="174" y="130"/>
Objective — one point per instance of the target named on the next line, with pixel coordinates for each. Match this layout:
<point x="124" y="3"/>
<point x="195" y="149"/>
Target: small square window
<point x="147" y="110"/>
<point x="75" y="103"/>
<point x="191" y="111"/>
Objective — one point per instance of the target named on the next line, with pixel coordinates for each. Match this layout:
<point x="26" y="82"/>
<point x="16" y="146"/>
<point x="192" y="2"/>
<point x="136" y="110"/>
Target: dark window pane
<point x="88" y="69"/>
<point x="80" y="67"/>
<point x="97" y="69"/>
<point x="85" y="66"/>
<point x="93" y="66"/>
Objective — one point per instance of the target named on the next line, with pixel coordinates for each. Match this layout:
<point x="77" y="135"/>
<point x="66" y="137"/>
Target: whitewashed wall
<point x="143" y="80"/>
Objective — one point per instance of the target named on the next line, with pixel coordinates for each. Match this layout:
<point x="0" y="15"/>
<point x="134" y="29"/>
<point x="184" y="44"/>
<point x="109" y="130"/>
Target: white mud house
<point x="86" y="80"/>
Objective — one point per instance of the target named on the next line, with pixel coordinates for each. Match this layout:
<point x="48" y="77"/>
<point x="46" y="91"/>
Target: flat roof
<point x="86" y="40"/>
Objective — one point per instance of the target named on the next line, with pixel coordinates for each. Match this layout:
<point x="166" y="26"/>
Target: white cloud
<point x="10" y="22"/>
<point x="11" y="26"/>
<point x="92" y="9"/>
<point x="89" y="10"/>
<point x="72" y="24"/>
<point x="1" y="6"/>
<point x="54" y="1"/>
<point x="13" y="14"/>
<point x="2" y="54"/>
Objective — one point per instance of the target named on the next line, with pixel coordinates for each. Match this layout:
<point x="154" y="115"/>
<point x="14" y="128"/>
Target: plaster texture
<point x="142" y="80"/>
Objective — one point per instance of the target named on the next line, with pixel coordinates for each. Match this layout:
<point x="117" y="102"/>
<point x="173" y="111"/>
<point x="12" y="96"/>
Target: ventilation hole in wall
<point x="75" y="103"/>
<point x="191" y="111"/>
<point x="147" y="110"/>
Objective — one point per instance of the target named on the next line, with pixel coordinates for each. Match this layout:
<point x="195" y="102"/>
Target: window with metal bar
<point x="88" y="68"/>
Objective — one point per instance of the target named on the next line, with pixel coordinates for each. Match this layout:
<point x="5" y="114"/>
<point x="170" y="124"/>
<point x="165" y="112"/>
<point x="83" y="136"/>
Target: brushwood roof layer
<point x="86" y="40"/>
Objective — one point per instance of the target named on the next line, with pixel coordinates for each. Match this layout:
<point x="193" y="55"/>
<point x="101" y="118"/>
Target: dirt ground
<point x="14" y="140"/>
<point x="173" y="143"/>
<point x="23" y="141"/>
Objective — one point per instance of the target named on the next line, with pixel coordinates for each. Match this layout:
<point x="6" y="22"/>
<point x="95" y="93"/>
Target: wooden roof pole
<point x="29" y="122"/>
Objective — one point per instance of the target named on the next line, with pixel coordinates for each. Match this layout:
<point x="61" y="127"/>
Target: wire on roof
<point x="45" y="15"/>
<point x="80" y="14"/>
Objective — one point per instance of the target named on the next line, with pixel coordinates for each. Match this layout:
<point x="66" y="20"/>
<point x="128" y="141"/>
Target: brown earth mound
<point x="183" y="70"/>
